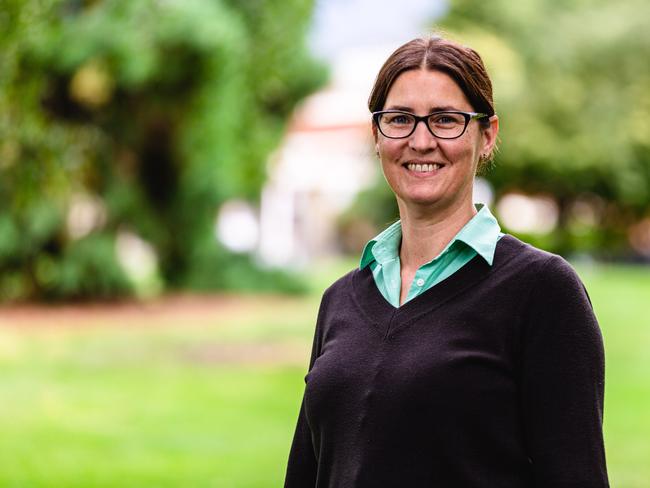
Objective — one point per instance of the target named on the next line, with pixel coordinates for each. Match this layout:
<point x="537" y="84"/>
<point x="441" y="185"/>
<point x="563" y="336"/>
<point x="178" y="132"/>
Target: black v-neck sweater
<point x="492" y="378"/>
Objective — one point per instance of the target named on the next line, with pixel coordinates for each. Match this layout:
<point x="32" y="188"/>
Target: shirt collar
<point x="384" y="247"/>
<point x="480" y="233"/>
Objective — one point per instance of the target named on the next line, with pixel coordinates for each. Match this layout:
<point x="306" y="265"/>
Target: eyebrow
<point x="403" y="108"/>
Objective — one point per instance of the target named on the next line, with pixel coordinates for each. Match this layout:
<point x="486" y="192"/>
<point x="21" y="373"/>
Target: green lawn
<point x="621" y="298"/>
<point x="176" y="401"/>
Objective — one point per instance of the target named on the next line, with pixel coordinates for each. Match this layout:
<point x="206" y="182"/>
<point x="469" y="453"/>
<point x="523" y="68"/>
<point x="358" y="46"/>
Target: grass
<point x="621" y="298"/>
<point x="156" y="402"/>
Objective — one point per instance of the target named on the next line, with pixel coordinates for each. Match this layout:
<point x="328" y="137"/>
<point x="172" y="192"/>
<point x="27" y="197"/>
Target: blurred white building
<point x="325" y="160"/>
<point x="327" y="157"/>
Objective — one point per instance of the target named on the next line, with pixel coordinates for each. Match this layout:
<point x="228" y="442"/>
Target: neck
<point x="426" y="233"/>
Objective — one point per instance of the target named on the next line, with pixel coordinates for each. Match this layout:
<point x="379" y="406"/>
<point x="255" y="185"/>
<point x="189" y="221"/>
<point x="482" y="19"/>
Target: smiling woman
<point x="449" y="142"/>
<point x="454" y="355"/>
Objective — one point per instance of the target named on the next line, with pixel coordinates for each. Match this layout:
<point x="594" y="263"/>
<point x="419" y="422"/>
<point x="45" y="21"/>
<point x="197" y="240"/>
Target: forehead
<point x="426" y="90"/>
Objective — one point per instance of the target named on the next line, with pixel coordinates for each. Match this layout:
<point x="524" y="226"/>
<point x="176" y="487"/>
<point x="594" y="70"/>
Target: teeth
<point x="422" y="168"/>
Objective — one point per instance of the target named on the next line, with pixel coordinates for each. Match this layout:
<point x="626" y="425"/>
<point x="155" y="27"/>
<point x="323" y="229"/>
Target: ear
<point x="374" y="133"/>
<point x="490" y="135"/>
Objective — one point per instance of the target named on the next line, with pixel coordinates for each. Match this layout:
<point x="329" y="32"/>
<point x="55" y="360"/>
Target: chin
<point x="421" y="199"/>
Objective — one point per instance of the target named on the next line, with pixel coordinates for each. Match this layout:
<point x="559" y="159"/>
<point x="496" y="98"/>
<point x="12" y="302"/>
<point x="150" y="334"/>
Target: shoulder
<point x="509" y="248"/>
<point x="545" y="276"/>
<point x="342" y="285"/>
<point x="332" y="301"/>
<point x="532" y="260"/>
<point x="343" y="282"/>
<point x="555" y="297"/>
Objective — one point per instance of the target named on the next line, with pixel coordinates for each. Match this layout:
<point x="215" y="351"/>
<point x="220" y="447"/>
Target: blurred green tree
<point x="138" y="119"/>
<point x="571" y="85"/>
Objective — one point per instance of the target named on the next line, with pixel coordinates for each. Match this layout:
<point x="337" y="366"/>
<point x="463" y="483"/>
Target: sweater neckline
<point x="381" y="313"/>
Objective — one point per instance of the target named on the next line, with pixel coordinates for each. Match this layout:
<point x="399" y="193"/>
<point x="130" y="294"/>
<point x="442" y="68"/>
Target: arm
<point x="563" y="382"/>
<point x="302" y="467"/>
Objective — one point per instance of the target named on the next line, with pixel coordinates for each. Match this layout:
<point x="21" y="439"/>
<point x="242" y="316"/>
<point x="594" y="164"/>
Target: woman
<point x="455" y="356"/>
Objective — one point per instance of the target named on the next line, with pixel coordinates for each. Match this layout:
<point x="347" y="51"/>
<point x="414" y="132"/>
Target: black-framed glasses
<point x="396" y="124"/>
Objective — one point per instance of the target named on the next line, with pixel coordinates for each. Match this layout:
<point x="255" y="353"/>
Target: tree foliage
<point x="571" y="85"/>
<point x="152" y="113"/>
<point x="576" y="101"/>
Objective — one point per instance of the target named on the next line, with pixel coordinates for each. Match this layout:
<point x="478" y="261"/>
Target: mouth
<point x="423" y="167"/>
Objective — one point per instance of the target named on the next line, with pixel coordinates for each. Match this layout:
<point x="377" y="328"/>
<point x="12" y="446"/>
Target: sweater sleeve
<point x="563" y="382"/>
<point x="302" y="467"/>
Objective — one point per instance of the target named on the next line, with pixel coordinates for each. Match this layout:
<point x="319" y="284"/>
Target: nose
<point x="422" y="140"/>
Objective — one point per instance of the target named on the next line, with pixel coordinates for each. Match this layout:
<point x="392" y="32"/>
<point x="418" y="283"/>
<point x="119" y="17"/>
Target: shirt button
<point x="420" y="282"/>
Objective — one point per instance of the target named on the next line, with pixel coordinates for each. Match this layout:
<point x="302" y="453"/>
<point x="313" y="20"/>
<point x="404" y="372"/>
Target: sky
<point x="342" y="24"/>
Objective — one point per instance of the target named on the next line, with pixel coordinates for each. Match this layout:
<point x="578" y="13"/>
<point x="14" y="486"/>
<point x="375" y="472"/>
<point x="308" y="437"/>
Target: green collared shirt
<point x="478" y="236"/>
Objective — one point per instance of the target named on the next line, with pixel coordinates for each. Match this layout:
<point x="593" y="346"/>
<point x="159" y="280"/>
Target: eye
<point x="398" y="119"/>
<point x="447" y="119"/>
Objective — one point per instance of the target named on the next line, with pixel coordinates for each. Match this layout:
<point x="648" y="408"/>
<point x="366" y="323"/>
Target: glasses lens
<point x="396" y="124"/>
<point x="447" y="124"/>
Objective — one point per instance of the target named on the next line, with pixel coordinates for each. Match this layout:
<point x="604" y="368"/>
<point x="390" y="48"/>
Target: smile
<point x="423" y="168"/>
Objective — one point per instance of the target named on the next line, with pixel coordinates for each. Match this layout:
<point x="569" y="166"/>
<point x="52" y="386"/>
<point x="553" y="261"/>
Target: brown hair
<point x="462" y="64"/>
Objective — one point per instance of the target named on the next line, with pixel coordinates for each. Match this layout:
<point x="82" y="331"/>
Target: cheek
<point x="389" y="150"/>
<point x="473" y="144"/>
<point x="389" y="166"/>
<point x="388" y="170"/>
<point x="389" y="157"/>
<point x="463" y="152"/>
